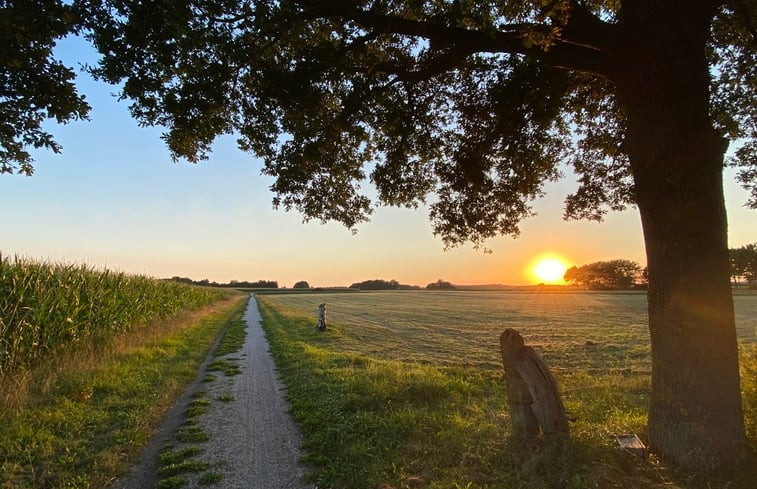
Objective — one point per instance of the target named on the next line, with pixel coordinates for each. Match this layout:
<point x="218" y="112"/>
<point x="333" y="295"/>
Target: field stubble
<point x="411" y="385"/>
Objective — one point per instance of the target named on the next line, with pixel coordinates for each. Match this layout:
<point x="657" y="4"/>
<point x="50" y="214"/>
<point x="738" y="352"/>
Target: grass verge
<point x="85" y="419"/>
<point x="371" y="420"/>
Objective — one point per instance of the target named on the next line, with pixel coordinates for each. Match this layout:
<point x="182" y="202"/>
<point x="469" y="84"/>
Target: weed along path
<point x="232" y="428"/>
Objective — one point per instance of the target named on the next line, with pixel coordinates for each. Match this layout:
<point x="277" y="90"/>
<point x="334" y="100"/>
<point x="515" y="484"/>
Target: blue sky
<point x="115" y="199"/>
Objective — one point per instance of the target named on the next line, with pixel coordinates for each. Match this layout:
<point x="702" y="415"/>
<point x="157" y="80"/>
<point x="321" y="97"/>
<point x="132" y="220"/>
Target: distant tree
<point x="301" y="285"/>
<point x="744" y="263"/>
<point x="441" y="285"/>
<point x="379" y="284"/>
<point x="183" y="280"/>
<point x="605" y="275"/>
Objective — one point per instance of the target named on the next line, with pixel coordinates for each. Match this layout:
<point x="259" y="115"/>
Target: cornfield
<point x="45" y="306"/>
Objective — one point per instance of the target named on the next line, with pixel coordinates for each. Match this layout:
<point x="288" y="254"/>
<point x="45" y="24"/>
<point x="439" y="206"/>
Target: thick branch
<point x="579" y="49"/>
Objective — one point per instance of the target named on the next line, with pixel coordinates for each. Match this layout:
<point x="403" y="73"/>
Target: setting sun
<point x="548" y="269"/>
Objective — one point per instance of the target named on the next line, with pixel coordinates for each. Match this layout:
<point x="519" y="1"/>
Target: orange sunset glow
<point x="548" y="269"/>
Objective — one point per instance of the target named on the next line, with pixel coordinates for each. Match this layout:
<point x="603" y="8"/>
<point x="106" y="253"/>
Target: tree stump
<point x="535" y="403"/>
<point x="321" y="317"/>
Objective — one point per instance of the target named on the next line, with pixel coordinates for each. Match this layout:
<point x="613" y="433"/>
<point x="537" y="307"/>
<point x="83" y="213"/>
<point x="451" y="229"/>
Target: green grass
<point x="406" y="389"/>
<point x="209" y="478"/>
<point x="87" y="420"/>
<point x="233" y="339"/>
<point x="229" y="368"/>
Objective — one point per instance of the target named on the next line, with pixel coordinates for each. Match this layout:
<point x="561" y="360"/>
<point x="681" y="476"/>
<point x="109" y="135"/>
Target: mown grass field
<point x="406" y="389"/>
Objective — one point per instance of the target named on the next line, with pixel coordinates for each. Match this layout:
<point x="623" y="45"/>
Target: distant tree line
<point x="744" y="264"/>
<point x="379" y="284"/>
<point x="260" y="284"/>
<point x="608" y="275"/>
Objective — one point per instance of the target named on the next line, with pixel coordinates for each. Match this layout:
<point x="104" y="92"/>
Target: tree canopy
<point x="445" y="102"/>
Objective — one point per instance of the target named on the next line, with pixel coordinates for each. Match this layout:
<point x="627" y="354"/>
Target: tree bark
<point x="695" y="414"/>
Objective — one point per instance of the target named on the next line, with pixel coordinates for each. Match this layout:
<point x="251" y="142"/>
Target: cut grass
<point x="81" y="424"/>
<point x="407" y="390"/>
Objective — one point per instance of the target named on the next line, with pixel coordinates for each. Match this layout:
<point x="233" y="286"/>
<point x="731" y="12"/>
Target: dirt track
<point x="253" y="442"/>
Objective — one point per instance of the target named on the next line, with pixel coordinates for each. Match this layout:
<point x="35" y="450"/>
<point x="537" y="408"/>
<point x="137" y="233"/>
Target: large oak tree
<point x="472" y="106"/>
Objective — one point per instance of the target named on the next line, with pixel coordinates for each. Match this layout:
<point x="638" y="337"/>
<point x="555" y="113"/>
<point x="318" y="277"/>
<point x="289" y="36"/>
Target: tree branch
<point x="579" y="48"/>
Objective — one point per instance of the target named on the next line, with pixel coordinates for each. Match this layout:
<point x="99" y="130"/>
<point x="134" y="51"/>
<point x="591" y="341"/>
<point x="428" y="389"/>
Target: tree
<point x="301" y="285"/>
<point x="744" y="263"/>
<point x="379" y="284"/>
<point x="605" y="275"/>
<point x="477" y="104"/>
<point x="441" y="285"/>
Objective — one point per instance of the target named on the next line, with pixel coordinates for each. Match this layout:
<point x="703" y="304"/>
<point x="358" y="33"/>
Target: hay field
<point x="591" y="331"/>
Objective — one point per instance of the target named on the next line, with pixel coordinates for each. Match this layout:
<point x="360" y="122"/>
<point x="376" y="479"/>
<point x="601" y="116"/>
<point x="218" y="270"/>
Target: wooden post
<point x="321" y="317"/>
<point x="535" y="403"/>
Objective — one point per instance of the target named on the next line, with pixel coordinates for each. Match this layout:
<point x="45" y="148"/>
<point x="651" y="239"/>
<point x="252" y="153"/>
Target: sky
<point x="114" y="199"/>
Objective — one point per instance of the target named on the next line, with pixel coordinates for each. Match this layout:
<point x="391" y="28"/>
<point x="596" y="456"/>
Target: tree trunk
<point x="695" y="414"/>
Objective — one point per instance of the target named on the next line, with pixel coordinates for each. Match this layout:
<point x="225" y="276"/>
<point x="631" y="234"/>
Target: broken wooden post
<point x="535" y="403"/>
<point x="321" y="317"/>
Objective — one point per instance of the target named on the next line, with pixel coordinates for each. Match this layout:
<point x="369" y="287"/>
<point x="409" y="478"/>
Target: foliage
<point x="87" y="416"/>
<point x="441" y="285"/>
<point x="384" y="403"/>
<point x="302" y="284"/>
<point x="457" y="99"/>
<point x="744" y="263"/>
<point x="379" y="284"/>
<point x="606" y="275"/>
<point x="46" y="307"/>
<point x="34" y="86"/>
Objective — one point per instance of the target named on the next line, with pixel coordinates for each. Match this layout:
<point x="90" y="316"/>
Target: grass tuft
<point x="192" y="434"/>
<point x="210" y="478"/>
<point x="174" y="482"/>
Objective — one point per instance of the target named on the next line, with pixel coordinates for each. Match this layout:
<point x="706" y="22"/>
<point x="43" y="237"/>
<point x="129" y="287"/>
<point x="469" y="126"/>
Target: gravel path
<point x="253" y="441"/>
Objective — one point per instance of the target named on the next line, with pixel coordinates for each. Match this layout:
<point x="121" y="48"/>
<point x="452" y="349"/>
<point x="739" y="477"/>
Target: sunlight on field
<point x="598" y="332"/>
<point x="413" y="379"/>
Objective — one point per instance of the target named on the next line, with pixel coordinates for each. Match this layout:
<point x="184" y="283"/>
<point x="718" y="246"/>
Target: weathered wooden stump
<point x="321" y="317"/>
<point x="535" y="403"/>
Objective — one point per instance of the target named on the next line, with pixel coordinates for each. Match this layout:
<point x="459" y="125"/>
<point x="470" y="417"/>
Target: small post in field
<point x="321" y="317"/>
<point x="535" y="403"/>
